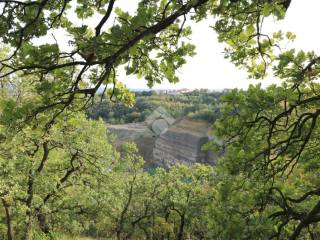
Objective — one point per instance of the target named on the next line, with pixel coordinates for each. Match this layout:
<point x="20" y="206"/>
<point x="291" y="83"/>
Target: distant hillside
<point x="196" y="105"/>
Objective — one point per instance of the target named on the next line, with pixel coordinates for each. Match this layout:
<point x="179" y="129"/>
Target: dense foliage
<point x="198" y="105"/>
<point x="59" y="171"/>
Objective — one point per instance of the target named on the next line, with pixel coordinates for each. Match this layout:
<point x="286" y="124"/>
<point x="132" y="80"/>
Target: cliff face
<point x="163" y="141"/>
<point x="139" y="133"/>
<point x="182" y="143"/>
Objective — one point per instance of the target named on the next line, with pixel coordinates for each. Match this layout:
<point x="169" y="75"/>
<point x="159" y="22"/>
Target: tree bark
<point x="8" y="219"/>
<point x="125" y="209"/>
<point x="181" y="227"/>
<point x="42" y="219"/>
<point x="29" y="206"/>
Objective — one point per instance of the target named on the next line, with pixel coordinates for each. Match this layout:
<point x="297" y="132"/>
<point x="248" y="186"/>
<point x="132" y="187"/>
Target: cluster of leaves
<point x="198" y="105"/>
<point x="271" y="141"/>
<point x="271" y="135"/>
<point x="45" y="168"/>
<point x="154" y="205"/>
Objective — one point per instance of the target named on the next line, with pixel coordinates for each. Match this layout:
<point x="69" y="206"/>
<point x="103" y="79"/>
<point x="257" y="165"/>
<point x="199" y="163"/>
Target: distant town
<point x="177" y="92"/>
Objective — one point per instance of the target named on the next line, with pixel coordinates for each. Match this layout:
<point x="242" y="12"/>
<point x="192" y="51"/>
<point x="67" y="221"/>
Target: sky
<point x="209" y="69"/>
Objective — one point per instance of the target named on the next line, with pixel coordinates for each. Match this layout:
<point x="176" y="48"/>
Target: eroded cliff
<point x="164" y="141"/>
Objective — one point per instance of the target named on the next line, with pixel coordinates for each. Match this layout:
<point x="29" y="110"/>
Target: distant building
<point x="184" y="90"/>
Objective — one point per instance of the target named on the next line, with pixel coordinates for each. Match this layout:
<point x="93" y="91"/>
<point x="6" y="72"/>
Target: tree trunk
<point x="31" y="177"/>
<point x="8" y="219"/>
<point x="181" y="227"/>
<point x="44" y="226"/>
<point x="29" y="207"/>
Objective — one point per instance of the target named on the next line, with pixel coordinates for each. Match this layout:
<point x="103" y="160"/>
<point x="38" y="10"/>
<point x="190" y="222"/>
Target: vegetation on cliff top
<point x="197" y="105"/>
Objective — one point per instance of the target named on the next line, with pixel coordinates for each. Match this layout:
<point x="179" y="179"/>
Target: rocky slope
<point x="164" y="141"/>
<point x="138" y="133"/>
<point x="182" y="144"/>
